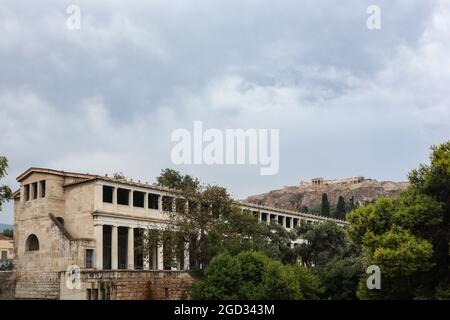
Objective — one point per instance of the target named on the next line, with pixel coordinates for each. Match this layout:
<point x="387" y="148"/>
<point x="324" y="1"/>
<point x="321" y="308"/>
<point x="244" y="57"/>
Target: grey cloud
<point x="105" y="98"/>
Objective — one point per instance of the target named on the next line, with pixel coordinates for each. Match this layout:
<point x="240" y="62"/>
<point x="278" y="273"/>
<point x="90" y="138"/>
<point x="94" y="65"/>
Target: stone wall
<point x="37" y="285"/>
<point x="7" y="285"/>
<point x="130" y="285"/>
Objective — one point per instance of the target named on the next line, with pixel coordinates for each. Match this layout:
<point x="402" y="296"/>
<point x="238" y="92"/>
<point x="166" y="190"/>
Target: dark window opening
<point x="35" y="191"/>
<point x="122" y="247"/>
<point x="32" y="243"/>
<point x="256" y="214"/>
<point x="263" y="216"/>
<point x="123" y="196"/>
<point x="42" y="186"/>
<point x="89" y="258"/>
<point x="153" y="201"/>
<point x="272" y="218"/>
<point x="280" y="220"/>
<point x="138" y="199"/>
<point x="295" y="222"/>
<point x="26" y="190"/>
<point x="288" y="222"/>
<point x="167" y="203"/>
<point x="107" y="247"/>
<point x="108" y="194"/>
<point x="138" y="244"/>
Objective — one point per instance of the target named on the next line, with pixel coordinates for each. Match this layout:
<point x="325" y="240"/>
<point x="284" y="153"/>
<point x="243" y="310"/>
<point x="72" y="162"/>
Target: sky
<point x="347" y="100"/>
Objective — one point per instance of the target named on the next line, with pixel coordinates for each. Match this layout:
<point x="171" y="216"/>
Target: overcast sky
<point x="347" y="100"/>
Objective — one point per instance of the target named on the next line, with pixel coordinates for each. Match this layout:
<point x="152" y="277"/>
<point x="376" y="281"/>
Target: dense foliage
<point x="252" y="275"/>
<point x="409" y="237"/>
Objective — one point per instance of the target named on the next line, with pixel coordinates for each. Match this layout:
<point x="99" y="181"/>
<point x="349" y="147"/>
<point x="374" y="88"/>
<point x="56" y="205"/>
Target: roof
<point x="3" y="237"/>
<point x="85" y="177"/>
<point x="55" y="172"/>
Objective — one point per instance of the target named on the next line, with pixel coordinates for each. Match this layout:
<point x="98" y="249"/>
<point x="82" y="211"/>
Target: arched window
<point x="32" y="243"/>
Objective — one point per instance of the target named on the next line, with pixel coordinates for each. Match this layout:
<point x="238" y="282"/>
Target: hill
<point x="5" y="226"/>
<point x="308" y="195"/>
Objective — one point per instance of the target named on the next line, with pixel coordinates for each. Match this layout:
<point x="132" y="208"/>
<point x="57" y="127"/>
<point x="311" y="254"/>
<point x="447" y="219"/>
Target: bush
<point x="252" y="275"/>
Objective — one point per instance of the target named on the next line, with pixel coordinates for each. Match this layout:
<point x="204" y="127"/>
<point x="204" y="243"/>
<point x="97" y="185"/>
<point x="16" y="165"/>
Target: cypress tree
<point x="340" y="208"/>
<point x="325" y="210"/>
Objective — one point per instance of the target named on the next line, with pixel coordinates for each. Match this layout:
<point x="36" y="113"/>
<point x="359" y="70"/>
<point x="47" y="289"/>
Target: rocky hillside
<point x="310" y="194"/>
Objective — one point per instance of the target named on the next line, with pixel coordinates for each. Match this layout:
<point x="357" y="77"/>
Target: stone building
<point x="6" y="248"/>
<point x="82" y="228"/>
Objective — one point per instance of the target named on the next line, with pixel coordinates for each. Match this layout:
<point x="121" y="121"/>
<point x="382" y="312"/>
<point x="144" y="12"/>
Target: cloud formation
<point x="348" y="101"/>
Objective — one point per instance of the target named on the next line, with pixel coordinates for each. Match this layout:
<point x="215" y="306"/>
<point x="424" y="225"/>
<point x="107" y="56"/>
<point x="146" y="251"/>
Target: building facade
<point x="72" y="223"/>
<point x="6" y="248"/>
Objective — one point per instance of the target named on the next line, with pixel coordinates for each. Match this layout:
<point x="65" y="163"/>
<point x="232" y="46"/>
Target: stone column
<point x="98" y="234"/>
<point x="146" y="202"/>
<point x="22" y="194"/>
<point x="160" y="202"/>
<point x="130" y="200"/>
<point x="38" y="190"/>
<point x="160" y="257"/>
<point x="186" y="256"/>
<point x="130" y="249"/>
<point x="115" y="198"/>
<point x="114" y="248"/>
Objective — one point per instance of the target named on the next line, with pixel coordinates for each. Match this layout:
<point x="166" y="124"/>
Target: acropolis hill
<point x="309" y="193"/>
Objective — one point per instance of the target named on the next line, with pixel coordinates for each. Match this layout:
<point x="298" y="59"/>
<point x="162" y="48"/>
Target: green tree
<point x="351" y="204"/>
<point x="5" y="191"/>
<point x="119" y="176"/>
<point x="340" y="208"/>
<point x="331" y="255"/>
<point x="173" y="179"/>
<point x="340" y="277"/>
<point x="325" y="209"/>
<point x="8" y="232"/>
<point x="408" y="238"/>
<point x="252" y="275"/>
<point x="221" y="281"/>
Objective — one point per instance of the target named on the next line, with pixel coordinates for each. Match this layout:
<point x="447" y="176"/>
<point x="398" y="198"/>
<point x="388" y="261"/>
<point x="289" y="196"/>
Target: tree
<point x="119" y="176"/>
<point x="340" y="208"/>
<point x="322" y="243"/>
<point x="340" y="277"/>
<point x="5" y="191"/>
<point x="8" y="233"/>
<point x="173" y="179"/>
<point x="221" y="281"/>
<point x="408" y="237"/>
<point x="351" y="204"/>
<point x="252" y="275"/>
<point x="331" y="255"/>
<point x="325" y="209"/>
